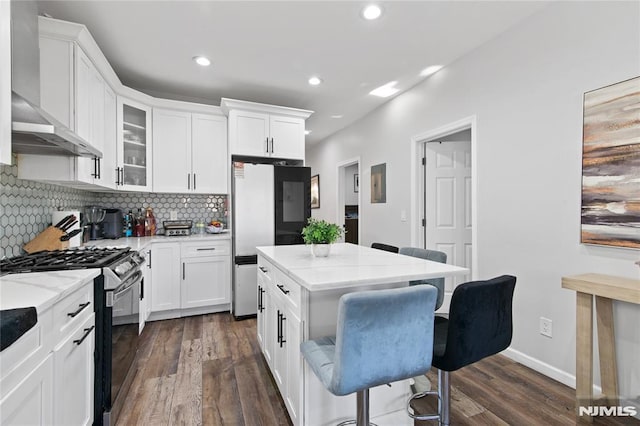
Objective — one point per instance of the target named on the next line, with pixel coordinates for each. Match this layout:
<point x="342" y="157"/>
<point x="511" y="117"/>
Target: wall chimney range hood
<point x="34" y="131"/>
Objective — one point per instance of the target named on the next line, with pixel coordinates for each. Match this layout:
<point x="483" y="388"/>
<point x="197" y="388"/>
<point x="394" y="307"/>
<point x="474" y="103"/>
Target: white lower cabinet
<point x="47" y="375"/>
<point x="145" y="289"/>
<point x="165" y="269"/>
<point x="31" y="402"/>
<point x="73" y="376"/>
<point x="281" y="327"/>
<point x="190" y="278"/>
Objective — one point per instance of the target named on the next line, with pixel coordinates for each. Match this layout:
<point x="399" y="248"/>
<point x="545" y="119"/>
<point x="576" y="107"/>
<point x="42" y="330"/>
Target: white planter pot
<point x="320" y="250"/>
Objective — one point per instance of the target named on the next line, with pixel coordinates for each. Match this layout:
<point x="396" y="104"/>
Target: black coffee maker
<point x="113" y="224"/>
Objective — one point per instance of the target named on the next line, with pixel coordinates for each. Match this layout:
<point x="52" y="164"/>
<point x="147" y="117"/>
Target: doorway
<point x="348" y="199"/>
<point x="444" y="182"/>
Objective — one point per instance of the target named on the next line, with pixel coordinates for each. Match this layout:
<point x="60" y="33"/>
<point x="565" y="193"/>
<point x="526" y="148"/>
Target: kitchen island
<point x="298" y="300"/>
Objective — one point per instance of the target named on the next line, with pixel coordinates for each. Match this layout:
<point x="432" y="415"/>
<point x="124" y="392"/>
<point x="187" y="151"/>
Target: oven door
<point x="121" y="336"/>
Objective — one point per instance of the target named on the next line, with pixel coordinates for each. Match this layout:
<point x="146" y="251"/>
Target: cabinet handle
<point x="279" y="327"/>
<point x="117" y="176"/>
<point x="282" y="289"/>
<point x="122" y="175"/>
<point x="194" y="181"/>
<point x="87" y="331"/>
<point x="263" y="269"/>
<point x="267" y="140"/>
<point x="183" y="271"/>
<point x="206" y="249"/>
<point x="282" y="320"/>
<point x="81" y="307"/>
<point x="149" y="261"/>
<point x="260" y="307"/>
<point x="142" y="289"/>
<point x="272" y="145"/>
<point x="95" y="167"/>
<point x="188" y="180"/>
<point x="99" y="168"/>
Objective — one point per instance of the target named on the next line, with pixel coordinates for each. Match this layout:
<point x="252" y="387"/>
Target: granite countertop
<point x="140" y="243"/>
<point x="24" y="296"/>
<point x="41" y="289"/>
<point x="351" y="265"/>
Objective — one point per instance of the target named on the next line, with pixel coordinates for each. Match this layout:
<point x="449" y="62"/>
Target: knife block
<point x="49" y="239"/>
<point x="57" y="216"/>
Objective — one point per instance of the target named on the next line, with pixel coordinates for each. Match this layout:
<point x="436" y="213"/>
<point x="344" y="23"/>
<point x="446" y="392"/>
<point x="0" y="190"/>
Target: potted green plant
<point x="320" y="234"/>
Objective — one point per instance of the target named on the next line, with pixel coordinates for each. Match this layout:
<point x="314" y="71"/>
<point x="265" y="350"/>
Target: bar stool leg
<point x="362" y="399"/>
<point x="444" y="402"/>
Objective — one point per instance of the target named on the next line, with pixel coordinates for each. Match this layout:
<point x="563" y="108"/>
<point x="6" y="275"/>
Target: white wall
<point x="525" y="88"/>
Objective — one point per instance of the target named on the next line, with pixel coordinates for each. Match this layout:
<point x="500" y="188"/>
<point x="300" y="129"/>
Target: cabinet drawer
<point x="205" y="248"/>
<point x="265" y="270"/>
<point x="71" y="311"/>
<point x="289" y="289"/>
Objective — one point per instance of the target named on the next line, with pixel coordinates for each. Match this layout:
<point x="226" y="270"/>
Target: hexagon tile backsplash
<point x="26" y="206"/>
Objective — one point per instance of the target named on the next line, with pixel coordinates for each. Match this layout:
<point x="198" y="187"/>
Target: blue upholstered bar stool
<point x="382" y="336"/>
<point x="479" y="325"/>
<point x="434" y="255"/>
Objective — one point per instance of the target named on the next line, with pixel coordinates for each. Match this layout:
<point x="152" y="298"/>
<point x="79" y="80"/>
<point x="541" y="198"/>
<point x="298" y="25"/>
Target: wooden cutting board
<point x="49" y="239"/>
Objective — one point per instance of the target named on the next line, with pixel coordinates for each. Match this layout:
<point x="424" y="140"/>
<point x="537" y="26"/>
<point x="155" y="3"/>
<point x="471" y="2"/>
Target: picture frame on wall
<point x="610" y="164"/>
<point x="315" y="192"/>
<point x="356" y="183"/>
<point x="379" y="183"/>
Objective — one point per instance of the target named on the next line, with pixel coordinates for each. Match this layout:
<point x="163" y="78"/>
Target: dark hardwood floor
<point x="208" y="370"/>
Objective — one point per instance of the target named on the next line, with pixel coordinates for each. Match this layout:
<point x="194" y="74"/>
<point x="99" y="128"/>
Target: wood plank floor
<point x="208" y="370"/>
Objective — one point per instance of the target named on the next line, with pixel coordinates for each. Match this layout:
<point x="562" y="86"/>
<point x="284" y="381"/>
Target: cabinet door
<point x="279" y="354"/>
<point x="57" y="94"/>
<point x="5" y="82"/>
<point x="205" y="281"/>
<point x="171" y="151"/>
<point x="83" y="73"/>
<point x="248" y="133"/>
<point x="148" y="283"/>
<point x="287" y="137"/>
<point x="74" y="376"/>
<point x="31" y="401"/>
<point x="107" y="164"/>
<point x="209" y="159"/>
<point x="293" y="382"/>
<point x="134" y="145"/>
<point x="87" y="168"/>
<point x="165" y="269"/>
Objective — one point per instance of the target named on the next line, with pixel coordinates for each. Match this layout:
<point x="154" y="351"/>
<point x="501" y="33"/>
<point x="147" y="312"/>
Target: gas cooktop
<point x="81" y="258"/>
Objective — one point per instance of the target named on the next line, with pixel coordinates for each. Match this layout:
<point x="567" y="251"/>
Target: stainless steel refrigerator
<point x="270" y="206"/>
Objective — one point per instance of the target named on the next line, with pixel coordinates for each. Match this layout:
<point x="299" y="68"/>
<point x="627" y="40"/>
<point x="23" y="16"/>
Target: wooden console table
<point x="606" y="289"/>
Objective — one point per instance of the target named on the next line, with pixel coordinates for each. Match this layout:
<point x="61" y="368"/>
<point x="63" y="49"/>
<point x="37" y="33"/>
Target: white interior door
<point x="448" y="206"/>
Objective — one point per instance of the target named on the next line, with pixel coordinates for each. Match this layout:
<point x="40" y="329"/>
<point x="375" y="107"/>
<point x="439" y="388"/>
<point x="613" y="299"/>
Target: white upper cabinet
<point x="260" y="130"/>
<point x="189" y="152"/>
<point x="133" y="151"/>
<point x="5" y="82"/>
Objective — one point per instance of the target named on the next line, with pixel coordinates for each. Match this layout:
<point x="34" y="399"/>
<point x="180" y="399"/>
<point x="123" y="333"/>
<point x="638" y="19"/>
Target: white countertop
<point x="351" y="265"/>
<point x="42" y="289"/>
<point x="139" y="243"/>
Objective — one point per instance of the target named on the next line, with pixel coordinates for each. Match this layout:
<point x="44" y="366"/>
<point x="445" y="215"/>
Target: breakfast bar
<point x="298" y="300"/>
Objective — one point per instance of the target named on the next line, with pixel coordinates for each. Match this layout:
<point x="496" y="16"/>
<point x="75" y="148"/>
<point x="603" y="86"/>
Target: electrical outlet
<point x="546" y="327"/>
<point x="173" y="215"/>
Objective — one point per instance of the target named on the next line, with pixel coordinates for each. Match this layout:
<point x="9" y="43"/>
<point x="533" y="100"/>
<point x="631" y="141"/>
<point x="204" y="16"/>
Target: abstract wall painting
<point x="611" y="166"/>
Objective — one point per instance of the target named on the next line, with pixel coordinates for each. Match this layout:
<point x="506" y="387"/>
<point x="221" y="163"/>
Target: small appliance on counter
<point x="174" y="228"/>
<point x="94" y="216"/>
<point x="113" y="224"/>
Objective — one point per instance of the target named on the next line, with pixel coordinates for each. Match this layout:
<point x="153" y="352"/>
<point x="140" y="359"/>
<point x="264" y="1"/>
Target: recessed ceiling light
<point x="386" y="90"/>
<point x="337" y="116"/>
<point x="314" y="81"/>
<point x="371" y="12"/>
<point x="202" y="61"/>
<point x="306" y="132"/>
<point x="430" y="70"/>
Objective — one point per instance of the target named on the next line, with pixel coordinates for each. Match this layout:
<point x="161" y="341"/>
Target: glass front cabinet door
<point x="133" y="171"/>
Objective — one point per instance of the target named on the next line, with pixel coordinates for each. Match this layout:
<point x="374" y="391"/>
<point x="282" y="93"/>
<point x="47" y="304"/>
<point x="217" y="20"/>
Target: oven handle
<point x="112" y="296"/>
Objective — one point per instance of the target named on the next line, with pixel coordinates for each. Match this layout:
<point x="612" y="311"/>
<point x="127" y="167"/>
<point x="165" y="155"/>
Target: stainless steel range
<point x="117" y="292"/>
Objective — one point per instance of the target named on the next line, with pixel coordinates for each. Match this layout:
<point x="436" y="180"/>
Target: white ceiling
<point x="264" y="51"/>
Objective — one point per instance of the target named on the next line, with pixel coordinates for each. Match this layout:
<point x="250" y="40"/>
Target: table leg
<point x="584" y="353"/>
<point x="607" y="350"/>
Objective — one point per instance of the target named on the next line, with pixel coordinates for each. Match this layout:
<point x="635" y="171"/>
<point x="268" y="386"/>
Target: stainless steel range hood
<point x="33" y="130"/>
